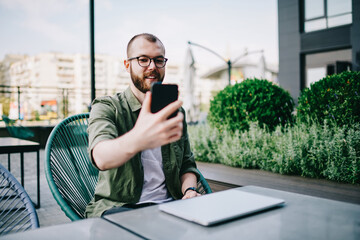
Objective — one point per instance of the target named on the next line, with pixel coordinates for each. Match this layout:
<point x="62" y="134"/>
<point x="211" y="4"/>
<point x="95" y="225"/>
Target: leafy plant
<point x="305" y="148"/>
<point x="335" y="98"/>
<point x="252" y="100"/>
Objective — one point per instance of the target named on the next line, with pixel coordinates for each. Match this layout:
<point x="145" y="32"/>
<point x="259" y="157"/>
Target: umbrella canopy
<point x="190" y="103"/>
<point x="262" y="66"/>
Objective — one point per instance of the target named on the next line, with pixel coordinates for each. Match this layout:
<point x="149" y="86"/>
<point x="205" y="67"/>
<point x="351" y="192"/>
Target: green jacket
<point x="112" y="117"/>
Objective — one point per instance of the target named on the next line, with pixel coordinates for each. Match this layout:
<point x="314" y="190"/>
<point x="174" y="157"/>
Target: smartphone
<point x="163" y="95"/>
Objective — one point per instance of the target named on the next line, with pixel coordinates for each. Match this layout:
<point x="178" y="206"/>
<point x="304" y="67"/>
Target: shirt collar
<point x="132" y="100"/>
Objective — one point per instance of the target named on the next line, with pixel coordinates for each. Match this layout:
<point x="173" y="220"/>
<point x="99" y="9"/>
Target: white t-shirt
<point x="154" y="188"/>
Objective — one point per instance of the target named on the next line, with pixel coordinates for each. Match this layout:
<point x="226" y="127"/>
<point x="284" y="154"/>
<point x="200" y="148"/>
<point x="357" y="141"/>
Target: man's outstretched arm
<point x="150" y="131"/>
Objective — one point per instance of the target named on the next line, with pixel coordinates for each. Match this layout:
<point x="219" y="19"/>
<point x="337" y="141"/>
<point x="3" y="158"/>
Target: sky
<point x="227" y="27"/>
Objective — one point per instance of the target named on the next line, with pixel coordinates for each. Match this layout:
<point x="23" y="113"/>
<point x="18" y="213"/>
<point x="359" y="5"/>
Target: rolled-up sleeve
<point x="101" y="123"/>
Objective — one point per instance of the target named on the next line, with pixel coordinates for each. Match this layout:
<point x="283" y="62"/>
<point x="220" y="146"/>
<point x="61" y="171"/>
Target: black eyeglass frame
<point x="151" y="59"/>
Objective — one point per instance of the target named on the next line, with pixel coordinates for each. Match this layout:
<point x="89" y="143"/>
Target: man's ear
<point x="127" y="65"/>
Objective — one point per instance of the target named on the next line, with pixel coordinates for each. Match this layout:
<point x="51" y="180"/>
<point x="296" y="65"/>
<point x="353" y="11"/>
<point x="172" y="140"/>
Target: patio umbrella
<point x="262" y="66"/>
<point x="189" y="98"/>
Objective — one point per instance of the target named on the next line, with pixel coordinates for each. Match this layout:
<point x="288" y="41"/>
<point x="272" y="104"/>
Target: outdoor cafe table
<point x="92" y="228"/>
<point x="302" y="217"/>
<point x="15" y="145"/>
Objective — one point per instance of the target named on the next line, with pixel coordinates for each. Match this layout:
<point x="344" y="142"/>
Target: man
<point x="143" y="158"/>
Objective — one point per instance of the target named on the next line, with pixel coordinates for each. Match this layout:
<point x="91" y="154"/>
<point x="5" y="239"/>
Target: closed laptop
<point x="221" y="206"/>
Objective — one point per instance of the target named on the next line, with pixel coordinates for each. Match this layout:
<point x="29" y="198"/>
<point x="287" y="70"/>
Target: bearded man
<point x="144" y="158"/>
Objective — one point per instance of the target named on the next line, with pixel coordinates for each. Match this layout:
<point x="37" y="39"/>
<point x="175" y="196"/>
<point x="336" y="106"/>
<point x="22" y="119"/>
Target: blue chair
<point x="71" y="177"/>
<point x="17" y="213"/>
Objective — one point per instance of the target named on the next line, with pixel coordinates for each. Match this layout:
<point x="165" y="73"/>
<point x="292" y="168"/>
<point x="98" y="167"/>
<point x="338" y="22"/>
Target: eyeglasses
<point x="143" y="61"/>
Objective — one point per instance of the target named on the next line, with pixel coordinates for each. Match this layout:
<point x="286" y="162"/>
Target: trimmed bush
<point x="335" y="98"/>
<point x="252" y="100"/>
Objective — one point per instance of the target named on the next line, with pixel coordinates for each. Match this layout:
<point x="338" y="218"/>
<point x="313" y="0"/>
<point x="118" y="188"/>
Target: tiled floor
<point x="49" y="213"/>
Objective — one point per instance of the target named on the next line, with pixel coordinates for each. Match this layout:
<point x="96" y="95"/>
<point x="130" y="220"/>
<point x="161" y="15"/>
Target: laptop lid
<point x="220" y="206"/>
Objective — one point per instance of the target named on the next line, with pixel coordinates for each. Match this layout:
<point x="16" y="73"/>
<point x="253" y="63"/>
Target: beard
<point x="140" y="80"/>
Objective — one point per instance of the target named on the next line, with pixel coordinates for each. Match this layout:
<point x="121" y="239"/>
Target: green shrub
<point x="309" y="150"/>
<point x="335" y="98"/>
<point x="252" y="100"/>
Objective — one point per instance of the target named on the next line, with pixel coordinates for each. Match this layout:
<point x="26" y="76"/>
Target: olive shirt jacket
<point x="111" y="117"/>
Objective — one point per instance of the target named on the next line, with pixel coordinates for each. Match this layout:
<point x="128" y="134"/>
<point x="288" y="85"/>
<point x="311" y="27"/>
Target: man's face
<point x="143" y="77"/>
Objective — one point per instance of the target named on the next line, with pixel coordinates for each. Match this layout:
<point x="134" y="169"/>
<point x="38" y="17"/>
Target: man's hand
<point x="150" y="131"/>
<point x="188" y="180"/>
<point x="191" y="194"/>
<point x="155" y="129"/>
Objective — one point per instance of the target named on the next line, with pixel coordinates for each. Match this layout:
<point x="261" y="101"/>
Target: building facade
<point x="55" y="85"/>
<point x="316" y="38"/>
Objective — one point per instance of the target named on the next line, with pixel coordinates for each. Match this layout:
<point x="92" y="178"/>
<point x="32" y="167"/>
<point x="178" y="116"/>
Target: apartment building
<point x="59" y="83"/>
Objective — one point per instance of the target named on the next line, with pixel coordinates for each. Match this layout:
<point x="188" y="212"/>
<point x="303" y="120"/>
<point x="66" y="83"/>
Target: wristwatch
<point x="190" y="188"/>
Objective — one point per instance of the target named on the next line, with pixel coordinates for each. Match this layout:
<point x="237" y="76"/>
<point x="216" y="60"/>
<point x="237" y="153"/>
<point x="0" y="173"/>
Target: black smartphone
<point x="163" y="95"/>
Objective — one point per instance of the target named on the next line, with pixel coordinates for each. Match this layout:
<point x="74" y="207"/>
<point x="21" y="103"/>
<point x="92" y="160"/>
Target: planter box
<point x="221" y="177"/>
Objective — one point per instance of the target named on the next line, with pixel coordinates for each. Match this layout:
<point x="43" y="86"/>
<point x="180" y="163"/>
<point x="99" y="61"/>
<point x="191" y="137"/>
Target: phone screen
<point x="162" y="95"/>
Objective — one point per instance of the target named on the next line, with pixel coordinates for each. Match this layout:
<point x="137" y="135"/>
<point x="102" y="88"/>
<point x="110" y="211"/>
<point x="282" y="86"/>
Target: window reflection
<point x="319" y="65"/>
<point x="314" y="75"/>
<point x="335" y="7"/>
<point x="340" y="20"/>
<point x="314" y="9"/>
<point x="322" y="14"/>
<point x="315" y="25"/>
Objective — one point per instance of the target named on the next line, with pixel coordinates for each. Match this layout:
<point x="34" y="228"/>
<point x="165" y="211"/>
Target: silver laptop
<point x="221" y="206"/>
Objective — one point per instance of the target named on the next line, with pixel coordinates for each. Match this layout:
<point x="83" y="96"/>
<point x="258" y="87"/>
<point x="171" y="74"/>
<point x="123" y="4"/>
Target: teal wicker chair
<point x="17" y="131"/>
<point x="17" y="213"/>
<point x="202" y="186"/>
<point x="69" y="172"/>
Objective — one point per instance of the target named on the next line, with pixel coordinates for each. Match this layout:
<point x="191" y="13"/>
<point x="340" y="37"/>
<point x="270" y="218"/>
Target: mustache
<point x="152" y="73"/>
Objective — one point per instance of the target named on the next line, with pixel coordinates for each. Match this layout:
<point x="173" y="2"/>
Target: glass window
<point x="340" y="20"/>
<point x="337" y="13"/>
<point x="315" y="25"/>
<point x="314" y="9"/>
<point x="319" y="65"/>
<point x="336" y="7"/>
<point x="314" y="75"/>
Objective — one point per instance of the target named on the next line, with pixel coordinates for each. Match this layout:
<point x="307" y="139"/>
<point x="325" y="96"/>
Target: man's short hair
<point x="148" y="36"/>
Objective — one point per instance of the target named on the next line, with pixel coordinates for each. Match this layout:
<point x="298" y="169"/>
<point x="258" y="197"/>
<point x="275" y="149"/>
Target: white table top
<point x="92" y="228"/>
<point x="302" y="217"/>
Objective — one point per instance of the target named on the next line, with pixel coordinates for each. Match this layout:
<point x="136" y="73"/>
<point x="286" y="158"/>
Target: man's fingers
<point x="177" y="119"/>
<point x="174" y="138"/>
<point x="170" y="109"/>
<point x="176" y="130"/>
<point x="171" y="130"/>
<point x="173" y="123"/>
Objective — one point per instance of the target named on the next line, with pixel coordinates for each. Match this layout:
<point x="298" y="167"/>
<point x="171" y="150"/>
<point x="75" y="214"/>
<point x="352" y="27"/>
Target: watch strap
<point x="190" y="188"/>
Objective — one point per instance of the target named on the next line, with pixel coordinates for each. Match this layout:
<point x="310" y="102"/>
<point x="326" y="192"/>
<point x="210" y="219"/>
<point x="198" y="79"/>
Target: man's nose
<point x="152" y="64"/>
